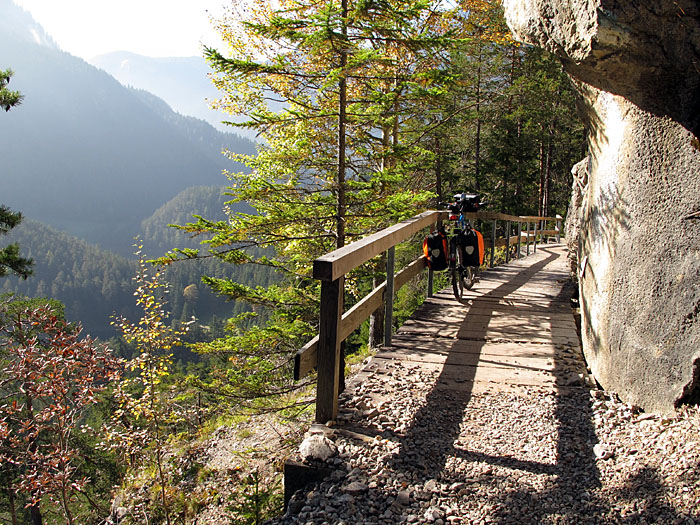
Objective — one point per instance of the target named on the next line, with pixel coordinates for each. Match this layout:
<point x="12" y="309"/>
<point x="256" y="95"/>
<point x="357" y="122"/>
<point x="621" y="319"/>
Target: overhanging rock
<point x="637" y="69"/>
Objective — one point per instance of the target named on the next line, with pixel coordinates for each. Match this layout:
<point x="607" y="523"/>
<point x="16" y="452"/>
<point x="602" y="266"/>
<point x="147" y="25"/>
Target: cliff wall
<point x="637" y="69"/>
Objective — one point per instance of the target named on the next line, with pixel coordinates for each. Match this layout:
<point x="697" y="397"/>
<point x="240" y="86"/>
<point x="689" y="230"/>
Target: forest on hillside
<point x="95" y="284"/>
<point x="368" y="113"/>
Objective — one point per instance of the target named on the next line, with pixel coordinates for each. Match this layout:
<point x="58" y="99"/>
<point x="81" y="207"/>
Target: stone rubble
<point x="412" y="452"/>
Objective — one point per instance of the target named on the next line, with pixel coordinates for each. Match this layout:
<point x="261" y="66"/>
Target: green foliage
<point x="94" y="283"/>
<point x="519" y="137"/>
<point x="138" y="427"/>
<point x="257" y="500"/>
<point x="10" y="260"/>
<point x="8" y="99"/>
<point x="50" y="376"/>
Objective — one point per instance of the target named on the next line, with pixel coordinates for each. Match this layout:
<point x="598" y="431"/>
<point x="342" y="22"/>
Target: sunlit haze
<point x="158" y="28"/>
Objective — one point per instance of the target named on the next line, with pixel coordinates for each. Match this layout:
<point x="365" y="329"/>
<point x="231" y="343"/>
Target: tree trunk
<point x="477" y="142"/>
<point x="541" y="195"/>
<point x="342" y="123"/>
<point x="548" y="176"/>
<point x="438" y="172"/>
<point x="13" y="509"/>
<point x="34" y="509"/>
<point x="35" y="514"/>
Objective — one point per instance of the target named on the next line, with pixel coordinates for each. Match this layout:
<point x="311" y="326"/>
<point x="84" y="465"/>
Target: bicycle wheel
<point x="469" y="277"/>
<point x="458" y="274"/>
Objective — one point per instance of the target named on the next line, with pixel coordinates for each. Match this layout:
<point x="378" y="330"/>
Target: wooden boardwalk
<point x="474" y="404"/>
<point x="514" y="329"/>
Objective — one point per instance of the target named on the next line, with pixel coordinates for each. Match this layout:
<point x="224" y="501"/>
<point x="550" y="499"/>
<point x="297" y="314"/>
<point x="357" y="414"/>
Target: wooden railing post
<point x="507" y="242"/>
<point x="430" y="282"/>
<point x="493" y="242"/>
<point x="388" y="316"/>
<point x="527" y="241"/>
<point x="559" y="219"/>
<point x="520" y="234"/>
<point x="328" y="361"/>
<point x="534" y="239"/>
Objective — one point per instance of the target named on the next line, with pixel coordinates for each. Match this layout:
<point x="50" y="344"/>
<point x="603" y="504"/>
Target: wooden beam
<point x="328" y="385"/>
<point x="389" y="295"/>
<point x="492" y="216"/>
<point x="410" y="272"/>
<point x="503" y="241"/>
<point x="339" y="262"/>
<point x="535" y="218"/>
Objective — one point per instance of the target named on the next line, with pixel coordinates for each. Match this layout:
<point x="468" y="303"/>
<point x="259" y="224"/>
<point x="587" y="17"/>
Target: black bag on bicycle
<point x="435" y="250"/>
<point x="473" y="248"/>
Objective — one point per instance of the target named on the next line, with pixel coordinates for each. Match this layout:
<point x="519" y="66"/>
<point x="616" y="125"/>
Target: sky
<point x="156" y="28"/>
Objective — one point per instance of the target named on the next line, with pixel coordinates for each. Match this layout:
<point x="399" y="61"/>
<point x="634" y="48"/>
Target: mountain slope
<point x="87" y="155"/>
<point x="94" y="283"/>
<point x="182" y="82"/>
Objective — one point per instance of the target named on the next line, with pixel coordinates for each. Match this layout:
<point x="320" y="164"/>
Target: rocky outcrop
<point x="572" y="226"/>
<point x="637" y="68"/>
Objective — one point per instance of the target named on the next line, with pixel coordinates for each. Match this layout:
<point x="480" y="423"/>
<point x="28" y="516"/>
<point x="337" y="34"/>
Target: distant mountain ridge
<point x="182" y="82"/>
<point x="87" y="155"/>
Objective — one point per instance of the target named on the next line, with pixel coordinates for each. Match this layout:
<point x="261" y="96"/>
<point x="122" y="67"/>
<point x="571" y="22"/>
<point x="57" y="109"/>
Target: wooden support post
<point x="388" y="316"/>
<point x="559" y="218"/>
<point x="493" y="243"/>
<point x="328" y="384"/>
<point x="534" y="240"/>
<point x="520" y="234"/>
<point x="527" y="241"/>
<point x="507" y="242"/>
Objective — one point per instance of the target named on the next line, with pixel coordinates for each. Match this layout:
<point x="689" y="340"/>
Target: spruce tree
<point x="10" y="259"/>
<point x="8" y="99"/>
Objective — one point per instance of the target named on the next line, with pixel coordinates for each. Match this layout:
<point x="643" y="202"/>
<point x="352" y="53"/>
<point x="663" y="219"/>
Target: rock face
<point x="637" y="68"/>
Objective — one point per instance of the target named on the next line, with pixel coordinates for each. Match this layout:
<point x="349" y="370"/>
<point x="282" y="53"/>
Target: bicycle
<point x="466" y="244"/>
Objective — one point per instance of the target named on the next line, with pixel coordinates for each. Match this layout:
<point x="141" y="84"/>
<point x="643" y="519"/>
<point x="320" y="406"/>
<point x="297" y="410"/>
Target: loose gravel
<point x="411" y="452"/>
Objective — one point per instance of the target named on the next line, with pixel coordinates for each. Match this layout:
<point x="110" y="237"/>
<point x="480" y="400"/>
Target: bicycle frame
<point x="463" y="277"/>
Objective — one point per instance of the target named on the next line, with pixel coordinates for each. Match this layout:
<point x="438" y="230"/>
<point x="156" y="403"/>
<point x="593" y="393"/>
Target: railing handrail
<point x="343" y="260"/>
<point x="323" y="351"/>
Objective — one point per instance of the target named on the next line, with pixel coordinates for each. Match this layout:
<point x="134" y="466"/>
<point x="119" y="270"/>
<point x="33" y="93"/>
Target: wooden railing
<point x="323" y="352"/>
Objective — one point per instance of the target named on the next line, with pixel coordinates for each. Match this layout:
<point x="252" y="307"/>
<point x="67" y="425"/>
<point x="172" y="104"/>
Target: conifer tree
<point x="8" y="99"/>
<point x="10" y="260"/>
<point x="328" y="85"/>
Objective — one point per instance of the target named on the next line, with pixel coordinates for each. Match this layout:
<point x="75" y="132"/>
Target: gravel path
<point x="528" y="456"/>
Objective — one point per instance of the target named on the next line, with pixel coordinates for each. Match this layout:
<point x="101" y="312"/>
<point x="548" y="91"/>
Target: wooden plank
<point x="533" y="218"/>
<point x="504" y="241"/>
<point x="544" y="363"/>
<point x="491" y="216"/>
<point x="410" y="272"/>
<point x="305" y="359"/>
<point x="426" y="343"/>
<point x="341" y="261"/>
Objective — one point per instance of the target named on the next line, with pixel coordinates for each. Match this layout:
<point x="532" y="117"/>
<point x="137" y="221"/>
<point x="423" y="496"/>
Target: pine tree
<point x="8" y="99"/>
<point x="10" y="259"/>
<point x="337" y="162"/>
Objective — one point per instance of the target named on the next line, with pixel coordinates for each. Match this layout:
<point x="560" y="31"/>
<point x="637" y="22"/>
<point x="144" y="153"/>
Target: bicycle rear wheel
<point x="469" y="277"/>
<point x="463" y="277"/>
<point x="458" y="274"/>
